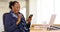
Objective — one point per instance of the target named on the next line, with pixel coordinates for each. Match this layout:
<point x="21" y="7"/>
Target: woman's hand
<point x="19" y="19"/>
<point x="29" y="19"/>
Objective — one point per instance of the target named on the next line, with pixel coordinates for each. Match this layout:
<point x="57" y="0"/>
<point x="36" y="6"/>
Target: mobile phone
<point x="31" y="16"/>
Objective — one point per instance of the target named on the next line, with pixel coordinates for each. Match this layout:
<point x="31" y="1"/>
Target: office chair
<point x="4" y="21"/>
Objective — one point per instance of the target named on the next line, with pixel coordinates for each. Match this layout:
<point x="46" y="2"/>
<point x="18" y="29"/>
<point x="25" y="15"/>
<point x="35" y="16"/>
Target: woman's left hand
<point x="29" y="19"/>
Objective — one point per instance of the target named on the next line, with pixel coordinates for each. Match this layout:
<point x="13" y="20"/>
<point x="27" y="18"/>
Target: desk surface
<point x="32" y="29"/>
<point x="44" y="31"/>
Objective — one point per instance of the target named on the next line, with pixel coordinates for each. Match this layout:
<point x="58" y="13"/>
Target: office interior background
<point x="42" y="10"/>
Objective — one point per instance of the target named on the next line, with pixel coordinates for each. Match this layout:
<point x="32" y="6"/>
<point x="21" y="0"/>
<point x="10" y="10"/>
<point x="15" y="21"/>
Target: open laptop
<point x="51" y="22"/>
<point x="52" y="19"/>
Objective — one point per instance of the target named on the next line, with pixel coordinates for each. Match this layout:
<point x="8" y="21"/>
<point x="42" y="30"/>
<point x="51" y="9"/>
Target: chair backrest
<point x="4" y="20"/>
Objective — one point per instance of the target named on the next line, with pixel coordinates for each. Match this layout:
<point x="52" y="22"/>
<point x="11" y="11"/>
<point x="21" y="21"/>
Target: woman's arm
<point x="29" y="21"/>
<point x="8" y="25"/>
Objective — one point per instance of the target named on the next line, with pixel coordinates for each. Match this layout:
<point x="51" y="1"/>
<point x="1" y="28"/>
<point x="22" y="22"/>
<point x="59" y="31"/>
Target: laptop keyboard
<point x="53" y="28"/>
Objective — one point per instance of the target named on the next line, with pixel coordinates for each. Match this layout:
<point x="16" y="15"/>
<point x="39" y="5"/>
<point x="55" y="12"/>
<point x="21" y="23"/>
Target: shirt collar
<point x="13" y="14"/>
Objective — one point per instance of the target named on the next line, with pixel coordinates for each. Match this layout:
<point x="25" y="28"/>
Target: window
<point x="43" y="10"/>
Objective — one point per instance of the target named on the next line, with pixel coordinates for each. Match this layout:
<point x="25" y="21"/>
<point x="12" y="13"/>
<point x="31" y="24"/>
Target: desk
<point x="42" y="29"/>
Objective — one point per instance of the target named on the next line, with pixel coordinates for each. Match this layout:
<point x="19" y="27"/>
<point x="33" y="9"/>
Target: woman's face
<point x="16" y="7"/>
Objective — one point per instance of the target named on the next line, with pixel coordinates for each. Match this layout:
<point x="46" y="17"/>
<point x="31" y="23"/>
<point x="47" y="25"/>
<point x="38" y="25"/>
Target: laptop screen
<point x="52" y="19"/>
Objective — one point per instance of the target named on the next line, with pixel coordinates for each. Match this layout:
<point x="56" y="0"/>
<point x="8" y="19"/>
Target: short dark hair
<point x="12" y="3"/>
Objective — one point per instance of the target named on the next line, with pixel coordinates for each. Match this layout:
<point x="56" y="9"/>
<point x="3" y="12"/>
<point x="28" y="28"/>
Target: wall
<point x="33" y="10"/>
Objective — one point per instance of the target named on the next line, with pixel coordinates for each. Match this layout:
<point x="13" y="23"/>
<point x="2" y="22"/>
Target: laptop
<point x="51" y="22"/>
<point x="52" y="19"/>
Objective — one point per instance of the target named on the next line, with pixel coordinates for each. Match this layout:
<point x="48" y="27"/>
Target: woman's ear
<point x="12" y="7"/>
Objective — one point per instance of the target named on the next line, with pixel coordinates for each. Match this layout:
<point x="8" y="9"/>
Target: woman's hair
<point x="12" y="3"/>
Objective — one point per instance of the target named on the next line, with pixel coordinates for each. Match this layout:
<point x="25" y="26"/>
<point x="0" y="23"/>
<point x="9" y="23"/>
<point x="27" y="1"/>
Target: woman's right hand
<point x="19" y="19"/>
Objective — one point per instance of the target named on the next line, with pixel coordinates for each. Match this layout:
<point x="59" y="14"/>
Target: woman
<point x="14" y="21"/>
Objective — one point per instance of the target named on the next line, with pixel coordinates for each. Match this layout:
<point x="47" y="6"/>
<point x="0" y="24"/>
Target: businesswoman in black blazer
<point x="14" y="21"/>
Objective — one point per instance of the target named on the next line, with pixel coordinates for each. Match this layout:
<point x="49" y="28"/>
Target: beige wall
<point x="33" y="10"/>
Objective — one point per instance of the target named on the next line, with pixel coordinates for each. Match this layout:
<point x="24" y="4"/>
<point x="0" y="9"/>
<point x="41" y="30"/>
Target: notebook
<point x="52" y="19"/>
